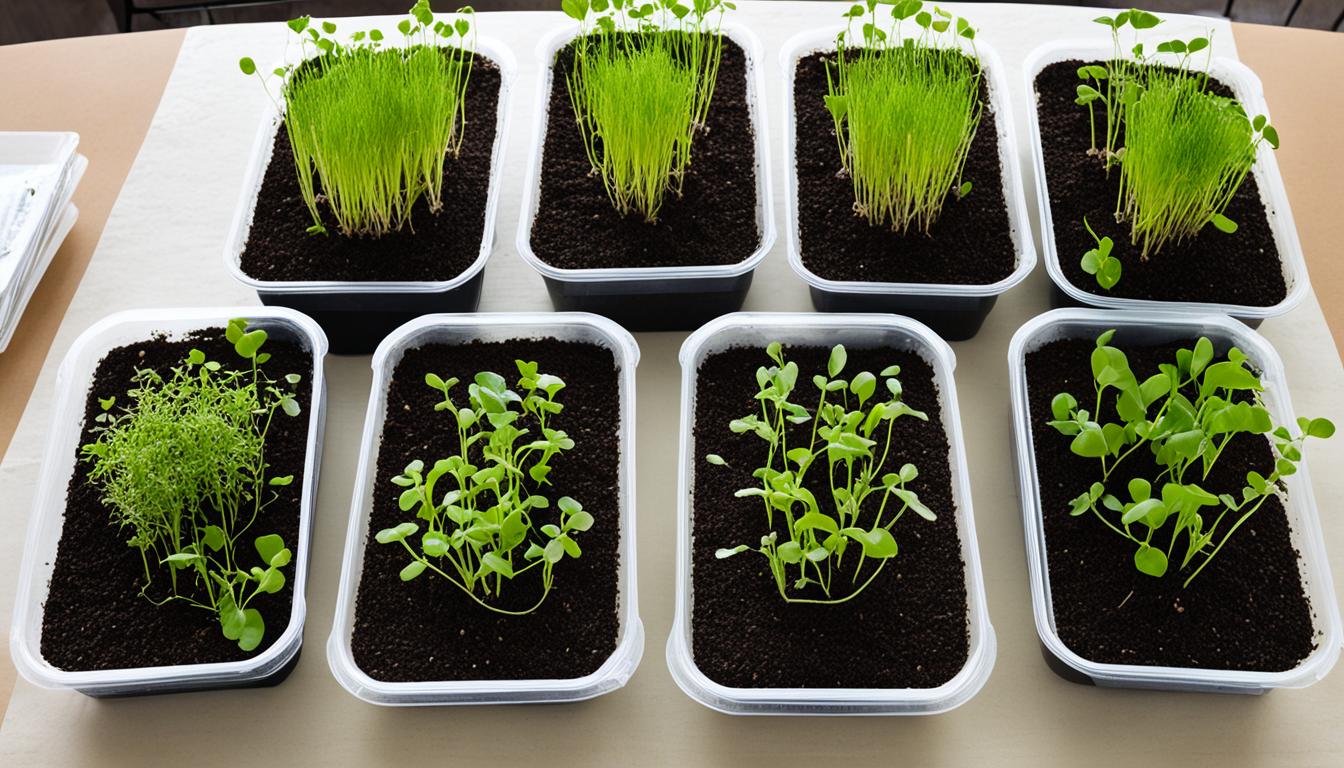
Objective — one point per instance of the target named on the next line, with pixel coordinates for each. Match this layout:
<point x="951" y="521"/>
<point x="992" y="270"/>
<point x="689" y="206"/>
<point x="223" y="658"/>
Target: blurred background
<point x="29" y="20"/>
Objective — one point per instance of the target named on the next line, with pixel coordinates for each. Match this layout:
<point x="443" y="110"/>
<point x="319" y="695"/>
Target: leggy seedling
<point x="183" y="467"/>
<point x="1186" y="149"/>
<point x="1184" y="416"/>
<point x="371" y="127"/>
<point x="641" y="84"/>
<point x="905" y="112"/>
<point x="807" y="553"/>
<point x="480" y="533"/>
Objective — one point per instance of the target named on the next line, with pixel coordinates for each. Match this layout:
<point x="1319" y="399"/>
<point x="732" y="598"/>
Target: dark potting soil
<point x="95" y="617"/>
<point x="428" y="629"/>
<point x="1245" y="611"/>
<point x="433" y="246"/>
<point x="1240" y="268"/>
<point x="907" y="629"/>
<point x="970" y="244"/>
<point x="714" y="220"/>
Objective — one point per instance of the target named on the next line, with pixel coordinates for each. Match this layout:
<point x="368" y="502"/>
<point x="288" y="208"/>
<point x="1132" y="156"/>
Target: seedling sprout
<point x="481" y="533"/>
<point x="641" y="84"/>
<point x="183" y="468"/>
<point x="371" y="126"/>
<point x="852" y="420"/>
<point x="905" y="112"/>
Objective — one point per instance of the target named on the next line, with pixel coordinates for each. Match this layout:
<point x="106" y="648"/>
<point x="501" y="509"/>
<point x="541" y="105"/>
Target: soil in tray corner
<point x="1240" y="268"/>
<point x="95" y="617"/>
<point x="907" y="629"/>
<point x="1245" y="611"/>
<point x="713" y="222"/>
<point x="970" y="244"/>
<point x="432" y="247"/>
<point x="428" y="629"/>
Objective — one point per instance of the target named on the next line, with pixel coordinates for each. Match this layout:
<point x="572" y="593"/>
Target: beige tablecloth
<point x="162" y="247"/>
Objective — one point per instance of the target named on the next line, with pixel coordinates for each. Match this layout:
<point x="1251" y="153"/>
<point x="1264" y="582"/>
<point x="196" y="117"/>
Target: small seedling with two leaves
<point x="905" y="111"/>
<point x="827" y="551"/>
<point x="1184" y="416"/>
<point x="182" y="467"/>
<point x="1099" y="260"/>
<point x="482" y="532"/>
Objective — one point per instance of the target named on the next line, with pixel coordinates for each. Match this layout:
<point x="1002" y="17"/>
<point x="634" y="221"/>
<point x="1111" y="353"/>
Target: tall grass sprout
<point x="641" y="86"/>
<point x="1187" y="152"/>
<point x="371" y="127"/>
<point x="905" y="114"/>
<point x="1186" y="149"/>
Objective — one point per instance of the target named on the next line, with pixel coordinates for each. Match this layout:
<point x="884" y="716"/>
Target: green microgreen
<point x="1186" y="149"/>
<point x="905" y="112"/>
<point x="1099" y="260"/>
<point x="850" y="434"/>
<point x="183" y="467"/>
<point x="641" y="84"/>
<point x="1187" y="152"/>
<point x="1184" y="416"/>
<point x="481" y="532"/>
<point x="370" y="126"/>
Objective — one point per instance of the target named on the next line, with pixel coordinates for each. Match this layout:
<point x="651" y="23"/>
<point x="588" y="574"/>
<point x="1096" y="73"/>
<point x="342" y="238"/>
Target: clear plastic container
<point x="29" y="273"/>
<point x="358" y="314"/>
<point x="651" y="298"/>
<point x="757" y="329"/>
<point x="35" y="183"/>
<point x="1248" y="90"/>
<point x="954" y="311"/>
<point x="1149" y="328"/>
<point x="454" y="329"/>
<point x="58" y="463"/>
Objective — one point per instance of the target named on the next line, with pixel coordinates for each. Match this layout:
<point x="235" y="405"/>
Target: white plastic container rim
<point x="486" y="46"/>
<point x="1161" y="327"/>
<point x="47" y="519"/>
<point x="807" y="43"/>
<point x="547" y="48"/>
<point x="1250" y="92"/>
<point x="500" y="326"/>
<point x="860" y="331"/>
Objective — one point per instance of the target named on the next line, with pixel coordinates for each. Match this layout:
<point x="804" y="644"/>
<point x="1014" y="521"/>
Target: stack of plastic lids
<point x="38" y="175"/>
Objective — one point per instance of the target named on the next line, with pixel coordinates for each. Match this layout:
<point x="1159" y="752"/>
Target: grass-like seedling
<point x="1186" y="149"/>
<point x="1184" y="416"/>
<point x="905" y="112"/>
<point x="371" y="126"/>
<point x="183" y="468"/>
<point x="640" y="86"/>
<point x="1187" y="152"/>
<point x="851" y="436"/>
<point x="480" y="533"/>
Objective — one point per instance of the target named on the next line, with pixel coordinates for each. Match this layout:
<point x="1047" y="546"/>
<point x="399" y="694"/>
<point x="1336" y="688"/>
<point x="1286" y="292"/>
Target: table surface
<point x="161" y="247"/>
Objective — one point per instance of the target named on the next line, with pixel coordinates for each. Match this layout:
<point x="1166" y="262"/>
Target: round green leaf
<point x="1150" y="560"/>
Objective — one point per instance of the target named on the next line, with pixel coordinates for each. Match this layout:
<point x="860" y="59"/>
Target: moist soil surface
<point x="1240" y="268"/>
<point x="970" y="244"/>
<point x="714" y="220"/>
<point x="1245" y="611"/>
<point x="428" y="629"/>
<point x="95" y="617"/>
<point x="433" y="246"/>
<point x="907" y="629"/>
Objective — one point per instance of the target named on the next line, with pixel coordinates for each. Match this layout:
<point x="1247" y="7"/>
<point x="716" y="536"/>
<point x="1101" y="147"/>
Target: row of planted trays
<point x="826" y="551"/>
